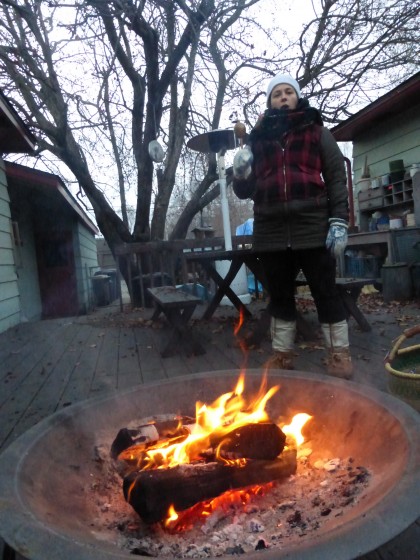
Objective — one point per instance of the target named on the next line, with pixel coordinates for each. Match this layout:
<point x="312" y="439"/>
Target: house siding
<point x="26" y="264"/>
<point x="105" y="257"/>
<point x="86" y="261"/>
<point x="10" y="308"/>
<point x="396" y="137"/>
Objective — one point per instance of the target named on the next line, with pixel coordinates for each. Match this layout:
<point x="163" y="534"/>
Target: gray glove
<point x="242" y="163"/>
<point x="337" y="236"/>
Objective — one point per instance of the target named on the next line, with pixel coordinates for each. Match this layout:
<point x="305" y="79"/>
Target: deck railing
<point x="159" y="263"/>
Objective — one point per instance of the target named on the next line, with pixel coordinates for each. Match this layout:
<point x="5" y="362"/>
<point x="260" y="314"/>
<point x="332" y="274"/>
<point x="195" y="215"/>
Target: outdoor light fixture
<point x="218" y="142"/>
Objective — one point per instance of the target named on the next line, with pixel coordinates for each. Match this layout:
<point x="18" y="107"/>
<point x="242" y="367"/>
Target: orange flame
<point x="172" y="517"/>
<point x="240" y="322"/>
<point x="229" y="412"/>
<point x="294" y="429"/>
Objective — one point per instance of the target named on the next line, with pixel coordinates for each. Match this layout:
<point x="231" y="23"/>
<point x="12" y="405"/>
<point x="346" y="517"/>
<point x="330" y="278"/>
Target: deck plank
<point x="51" y="364"/>
<point x="129" y="371"/>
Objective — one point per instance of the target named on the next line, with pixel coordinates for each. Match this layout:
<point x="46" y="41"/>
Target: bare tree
<point x="350" y="45"/>
<point x="98" y="80"/>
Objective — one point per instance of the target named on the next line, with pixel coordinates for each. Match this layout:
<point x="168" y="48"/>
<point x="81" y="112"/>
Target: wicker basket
<point x="403" y="366"/>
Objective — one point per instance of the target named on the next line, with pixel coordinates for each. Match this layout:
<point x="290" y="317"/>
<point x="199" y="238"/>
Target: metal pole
<point x="224" y="200"/>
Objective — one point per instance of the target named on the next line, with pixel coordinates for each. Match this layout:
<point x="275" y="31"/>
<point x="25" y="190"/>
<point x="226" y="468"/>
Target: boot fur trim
<point x="280" y="360"/>
<point x="339" y="363"/>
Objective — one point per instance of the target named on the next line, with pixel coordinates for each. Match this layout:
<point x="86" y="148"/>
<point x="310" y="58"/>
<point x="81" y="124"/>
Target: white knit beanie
<point x="282" y="79"/>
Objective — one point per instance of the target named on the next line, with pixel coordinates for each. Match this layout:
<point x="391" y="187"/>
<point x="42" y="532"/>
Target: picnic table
<point x="178" y="262"/>
<point x="348" y="288"/>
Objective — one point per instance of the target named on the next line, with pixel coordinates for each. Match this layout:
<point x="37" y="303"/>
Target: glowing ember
<point x="186" y="520"/>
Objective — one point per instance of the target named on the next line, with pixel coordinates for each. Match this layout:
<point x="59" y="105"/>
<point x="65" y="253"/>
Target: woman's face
<point x="283" y="96"/>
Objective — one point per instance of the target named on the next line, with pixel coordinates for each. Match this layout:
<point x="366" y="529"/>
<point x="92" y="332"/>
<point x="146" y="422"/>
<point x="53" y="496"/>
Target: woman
<point x="294" y="171"/>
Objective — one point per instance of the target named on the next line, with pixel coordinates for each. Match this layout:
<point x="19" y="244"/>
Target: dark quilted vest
<point x="289" y="170"/>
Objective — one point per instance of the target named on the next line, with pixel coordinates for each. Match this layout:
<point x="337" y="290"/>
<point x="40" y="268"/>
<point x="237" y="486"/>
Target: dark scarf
<point x="276" y="122"/>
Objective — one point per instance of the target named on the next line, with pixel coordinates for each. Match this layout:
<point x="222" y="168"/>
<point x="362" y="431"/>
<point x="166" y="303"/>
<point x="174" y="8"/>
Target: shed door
<point x="57" y="274"/>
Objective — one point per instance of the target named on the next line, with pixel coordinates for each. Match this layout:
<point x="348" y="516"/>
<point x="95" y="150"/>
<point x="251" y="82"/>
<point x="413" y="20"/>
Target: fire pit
<point x="45" y="512"/>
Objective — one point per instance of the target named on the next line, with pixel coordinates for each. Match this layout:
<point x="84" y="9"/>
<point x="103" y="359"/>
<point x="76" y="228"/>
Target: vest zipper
<point x="286" y="200"/>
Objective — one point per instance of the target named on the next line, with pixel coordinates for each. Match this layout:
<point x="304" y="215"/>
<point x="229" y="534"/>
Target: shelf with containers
<point x="396" y="198"/>
<point x="399" y="193"/>
<point x="375" y="244"/>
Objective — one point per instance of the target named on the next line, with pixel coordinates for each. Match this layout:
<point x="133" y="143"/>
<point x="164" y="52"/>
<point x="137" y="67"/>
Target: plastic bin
<point x="113" y="288"/>
<point x="197" y="290"/>
<point x="101" y="289"/>
<point x="415" y="278"/>
<point x="396" y="282"/>
<point x="363" y="267"/>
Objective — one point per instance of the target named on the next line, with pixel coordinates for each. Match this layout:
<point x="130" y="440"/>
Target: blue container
<point x="363" y="267"/>
<point x="197" y="290"/>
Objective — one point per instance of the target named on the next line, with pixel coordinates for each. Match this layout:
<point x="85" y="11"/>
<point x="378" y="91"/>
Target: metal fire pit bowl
<point x="45" y="514"/>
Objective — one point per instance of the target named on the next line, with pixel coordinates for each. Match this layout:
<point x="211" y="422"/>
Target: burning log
<point x="264" y="441"/>
<point x="152" y="492"/>
<point x="164" y="426"/>
<point x="230" y="446"/>
<point x="258" y="441"/>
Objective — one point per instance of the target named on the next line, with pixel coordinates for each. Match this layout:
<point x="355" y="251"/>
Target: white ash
<point x="290" y="511"/>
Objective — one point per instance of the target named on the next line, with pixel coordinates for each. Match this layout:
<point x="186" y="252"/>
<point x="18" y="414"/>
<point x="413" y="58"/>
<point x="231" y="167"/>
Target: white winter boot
<point x="336" y="336"/>
<point x="283" y="335"/>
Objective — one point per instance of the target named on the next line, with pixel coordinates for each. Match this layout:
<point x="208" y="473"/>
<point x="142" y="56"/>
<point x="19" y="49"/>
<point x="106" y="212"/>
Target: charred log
<point x="152" y="492"/>
<point x="263" y="441"/>
<point x="260" y="441"/>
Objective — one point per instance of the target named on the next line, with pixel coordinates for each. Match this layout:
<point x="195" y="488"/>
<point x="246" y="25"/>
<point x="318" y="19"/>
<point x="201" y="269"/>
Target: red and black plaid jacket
<point x="297" y="183"/>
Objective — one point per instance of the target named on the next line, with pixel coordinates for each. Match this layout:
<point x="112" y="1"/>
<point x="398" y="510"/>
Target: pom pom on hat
<point x="282" y="79"/>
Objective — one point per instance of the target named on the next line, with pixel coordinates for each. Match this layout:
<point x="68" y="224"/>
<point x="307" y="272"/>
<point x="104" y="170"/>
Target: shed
<point x="385" y="131"/>
<point x="47" y="240"/>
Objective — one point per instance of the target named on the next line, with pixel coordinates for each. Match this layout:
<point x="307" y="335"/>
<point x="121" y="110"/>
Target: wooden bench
<point x="178" y="307"/>
<point x="349" y="290"/>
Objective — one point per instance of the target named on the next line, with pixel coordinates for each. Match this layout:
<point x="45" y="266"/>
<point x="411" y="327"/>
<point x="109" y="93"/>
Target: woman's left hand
<point x="337" y="236"/>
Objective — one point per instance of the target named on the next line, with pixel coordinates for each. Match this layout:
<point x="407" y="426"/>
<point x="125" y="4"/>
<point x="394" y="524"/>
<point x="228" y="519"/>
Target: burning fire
<point x="238" y="326"/>
<point x="226" y="414"/>
<point x="212" y="430"/>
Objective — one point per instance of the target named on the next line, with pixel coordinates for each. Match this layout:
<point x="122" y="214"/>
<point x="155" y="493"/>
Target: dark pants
<point x="318" y="266"/>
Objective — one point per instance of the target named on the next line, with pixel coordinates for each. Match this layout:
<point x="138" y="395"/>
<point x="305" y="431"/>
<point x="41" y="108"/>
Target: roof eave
<point x="393" y="102"/>
<point x="16" y="138"/>
<point x="53" y="181"/>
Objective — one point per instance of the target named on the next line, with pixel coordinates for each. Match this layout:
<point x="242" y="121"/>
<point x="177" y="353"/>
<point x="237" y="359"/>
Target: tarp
<point x="246" y="228"/>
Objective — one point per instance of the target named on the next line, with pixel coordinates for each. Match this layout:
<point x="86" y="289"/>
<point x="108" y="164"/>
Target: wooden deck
<point x="48" y="365"/>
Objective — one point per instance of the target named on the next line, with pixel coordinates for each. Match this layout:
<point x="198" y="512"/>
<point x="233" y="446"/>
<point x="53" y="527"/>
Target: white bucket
<point x="239" y="284"/>
<point x="363" y="185"/>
